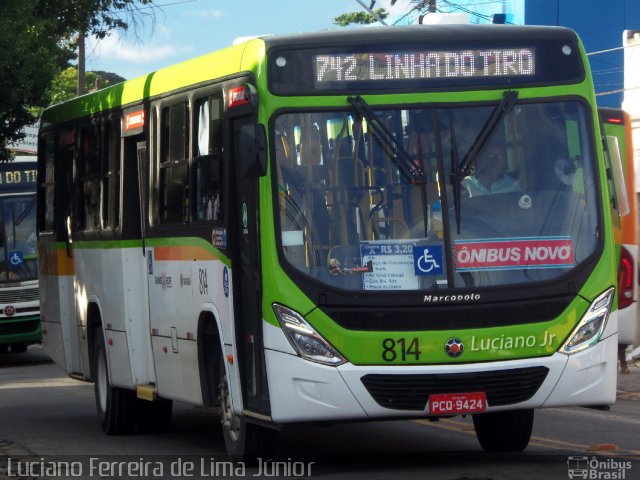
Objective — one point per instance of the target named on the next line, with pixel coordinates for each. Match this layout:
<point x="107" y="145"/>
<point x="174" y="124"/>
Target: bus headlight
<point x="591" y="326"/>
<point x="304" y="339"/>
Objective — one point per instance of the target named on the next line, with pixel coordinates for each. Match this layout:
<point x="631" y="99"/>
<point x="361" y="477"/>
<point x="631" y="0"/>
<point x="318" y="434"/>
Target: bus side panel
<point x="215" y="284"/>
<point x="136" y="313"/>
<point x="174" y="320"/>
<point x="113" y="279"/>
<point x="57" y="309"/>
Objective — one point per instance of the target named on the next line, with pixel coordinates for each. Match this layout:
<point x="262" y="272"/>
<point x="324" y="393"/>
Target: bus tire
<point x="19" y="348"/>
<point x="506" y="431"/>
<point x="116" y="406"/>
<point x="153" y="417"/>
<point x="243" y="440"/>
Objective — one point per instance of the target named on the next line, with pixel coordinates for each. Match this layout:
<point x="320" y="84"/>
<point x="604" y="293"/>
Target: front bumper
<point x="305" y="391"/>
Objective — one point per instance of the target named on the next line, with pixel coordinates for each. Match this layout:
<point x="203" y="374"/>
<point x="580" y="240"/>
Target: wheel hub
<point x="230" y="421"/>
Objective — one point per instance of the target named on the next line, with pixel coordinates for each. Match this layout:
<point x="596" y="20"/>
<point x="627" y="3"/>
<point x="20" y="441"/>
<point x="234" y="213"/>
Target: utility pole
<point x="431" y="8"/>
<point x="81" y="88"/>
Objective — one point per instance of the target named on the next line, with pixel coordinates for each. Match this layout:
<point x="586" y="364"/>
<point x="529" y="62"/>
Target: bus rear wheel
<point x="153" y="417"/>
<point x="243" y="440"/>
<point x="508" y="431"/>
<point x="116" y="406"/>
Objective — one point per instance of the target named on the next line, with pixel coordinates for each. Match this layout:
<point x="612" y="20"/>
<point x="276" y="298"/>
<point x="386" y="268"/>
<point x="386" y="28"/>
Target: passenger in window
<point x="491" y="175"/>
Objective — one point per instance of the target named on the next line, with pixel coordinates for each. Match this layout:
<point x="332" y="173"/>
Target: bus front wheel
<point x="243" y="440"/>
<point x="116" y="406"/>
<point x="507" y="431"/>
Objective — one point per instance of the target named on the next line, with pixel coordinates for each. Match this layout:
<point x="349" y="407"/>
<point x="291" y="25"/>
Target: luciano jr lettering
<point x="507" y="342"/>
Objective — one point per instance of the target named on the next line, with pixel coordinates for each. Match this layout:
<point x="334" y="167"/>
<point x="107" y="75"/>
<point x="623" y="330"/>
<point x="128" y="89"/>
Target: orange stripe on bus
<point x="182" y="253"/>
<point x="53" y="261"/>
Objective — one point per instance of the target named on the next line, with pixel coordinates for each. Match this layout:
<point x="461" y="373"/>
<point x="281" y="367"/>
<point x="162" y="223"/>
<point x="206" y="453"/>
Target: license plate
<point x="456" y="403"/>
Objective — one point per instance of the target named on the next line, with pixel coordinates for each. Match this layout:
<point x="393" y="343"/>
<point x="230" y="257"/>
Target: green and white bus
<point x="283" y="228"/>
<point x="19" y="297"/>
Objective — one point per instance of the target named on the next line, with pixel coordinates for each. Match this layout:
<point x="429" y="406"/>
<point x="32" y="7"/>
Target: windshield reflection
<point x="350" y="218"/>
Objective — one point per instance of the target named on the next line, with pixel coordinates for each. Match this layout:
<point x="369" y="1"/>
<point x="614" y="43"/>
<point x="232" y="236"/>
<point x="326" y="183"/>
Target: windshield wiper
<point x="467" y="167"/>
<point x="25" y="212"/>
<point x="399" y="155"/>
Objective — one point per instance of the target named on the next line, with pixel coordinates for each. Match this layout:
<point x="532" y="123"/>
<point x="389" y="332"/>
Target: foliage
<point x="31" y="55"/>
<point x="64" y="86"/>
<point x="36" y="44"/>
<point x="360" y="18"/>
<point x="95" y="17"/>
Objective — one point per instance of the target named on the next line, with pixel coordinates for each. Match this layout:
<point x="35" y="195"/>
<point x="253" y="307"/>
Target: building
<point x="600" y="26"/>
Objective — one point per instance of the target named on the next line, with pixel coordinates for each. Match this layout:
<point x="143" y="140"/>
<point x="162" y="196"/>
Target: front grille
<point x="15" y="328"/>
<point x="412" y="391"/>
<point x="458" y="317"/>
<point x="20" y="295"/>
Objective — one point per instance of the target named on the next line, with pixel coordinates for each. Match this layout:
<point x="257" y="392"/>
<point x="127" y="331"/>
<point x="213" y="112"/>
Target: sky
<point x="181" y="29"/>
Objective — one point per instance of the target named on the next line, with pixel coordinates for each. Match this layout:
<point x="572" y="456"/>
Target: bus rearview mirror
<point x="617" y="170"/>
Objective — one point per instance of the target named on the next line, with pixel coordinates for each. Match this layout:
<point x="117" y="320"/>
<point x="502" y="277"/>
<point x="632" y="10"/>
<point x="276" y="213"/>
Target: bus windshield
<point x="18" y="258"/>
<point x="524" y="212"/>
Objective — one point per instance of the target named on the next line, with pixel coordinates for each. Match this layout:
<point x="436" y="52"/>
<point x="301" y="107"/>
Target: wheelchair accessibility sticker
<point x="16" y="258"/>
<point x="427" y="260"/>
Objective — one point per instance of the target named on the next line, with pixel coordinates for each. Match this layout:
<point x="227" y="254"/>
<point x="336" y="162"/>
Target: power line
<point x="617" y="91"/>
<point x="612" y="49"/>
<point x="605" y="71"/>
<point x="471" y="12"/>
<point x="417" y="10"/>
<point x="607" y="62"/>
<point x="607" y="84"/>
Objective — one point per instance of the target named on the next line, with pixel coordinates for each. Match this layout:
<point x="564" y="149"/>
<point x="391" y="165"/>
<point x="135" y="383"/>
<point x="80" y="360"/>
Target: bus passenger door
<point x="247" y="276"/>
<point x="135" y="357"/>
<point x="55" y="252"/>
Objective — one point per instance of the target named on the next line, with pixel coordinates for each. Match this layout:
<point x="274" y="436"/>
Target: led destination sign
<point x="423" y="65"/>
<point x="17" y="177"/>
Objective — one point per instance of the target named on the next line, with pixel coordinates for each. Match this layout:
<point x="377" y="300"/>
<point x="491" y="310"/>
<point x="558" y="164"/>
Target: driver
<point x="491" y="175"/>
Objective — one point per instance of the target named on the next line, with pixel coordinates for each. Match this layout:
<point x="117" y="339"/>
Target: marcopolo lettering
<point x="469" y="297"/>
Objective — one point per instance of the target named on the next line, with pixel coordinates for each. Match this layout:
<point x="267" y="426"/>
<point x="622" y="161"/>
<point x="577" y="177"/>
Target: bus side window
<point x="174" y="154"/>
<point x="89" y="182"/>
<point x="46" y="208"/>
<point x="207" y="164"/>
<point x="110" y="173"/>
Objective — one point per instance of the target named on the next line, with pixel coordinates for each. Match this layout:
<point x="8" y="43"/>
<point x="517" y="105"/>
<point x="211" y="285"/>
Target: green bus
<point x="285" y="229"/>
<point x="19" y="294"/>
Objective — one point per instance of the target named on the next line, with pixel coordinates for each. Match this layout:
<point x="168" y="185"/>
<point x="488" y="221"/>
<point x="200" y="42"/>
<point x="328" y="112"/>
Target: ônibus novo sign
<point x="514" y="253"/>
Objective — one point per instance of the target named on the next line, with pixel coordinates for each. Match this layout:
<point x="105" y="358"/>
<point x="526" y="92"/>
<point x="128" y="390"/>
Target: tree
<point x="36" y="44"/>
<point x="63" y="86"/>
<point x="361" y="18"/>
